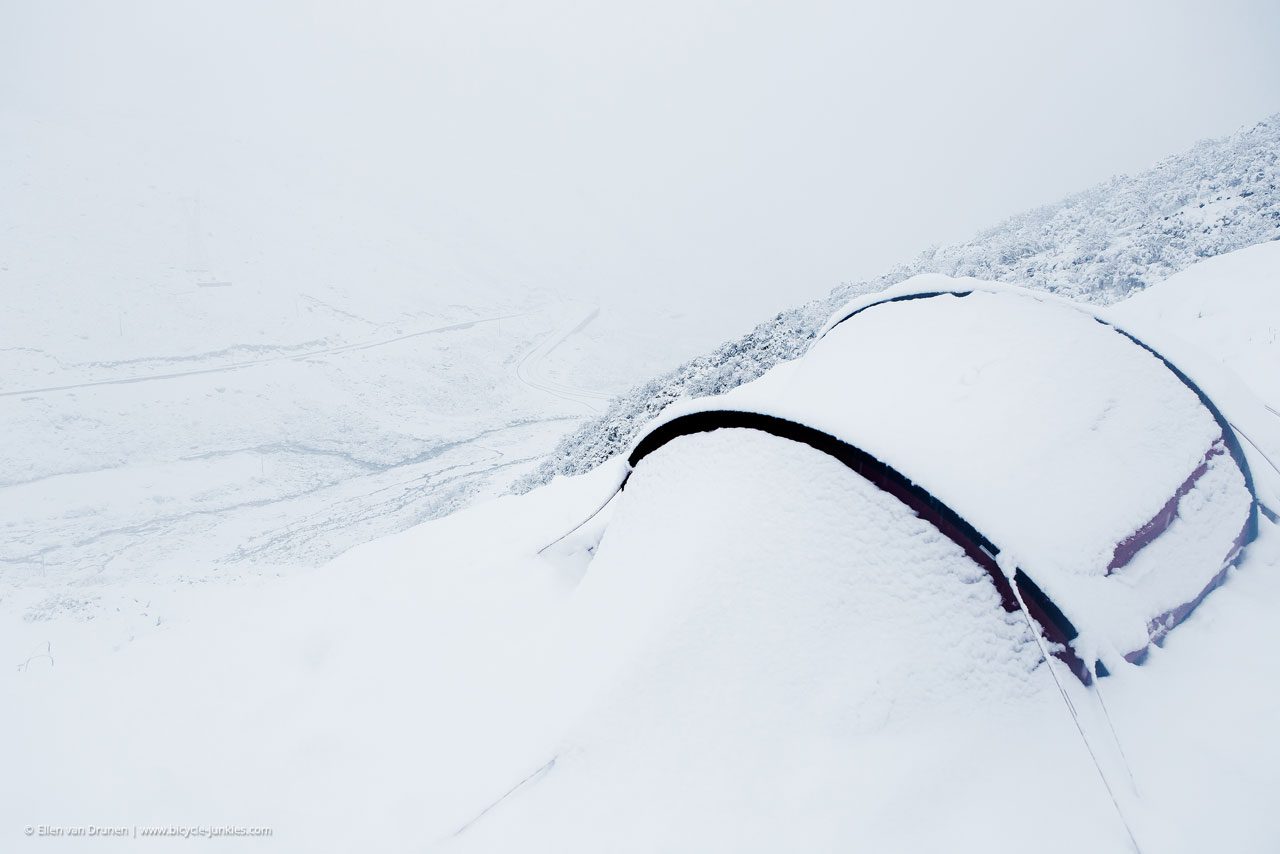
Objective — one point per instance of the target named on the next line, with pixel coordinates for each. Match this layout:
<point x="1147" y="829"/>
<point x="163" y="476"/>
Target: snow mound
<point x="1060" y="439"/>
<point x="757" y="621"/>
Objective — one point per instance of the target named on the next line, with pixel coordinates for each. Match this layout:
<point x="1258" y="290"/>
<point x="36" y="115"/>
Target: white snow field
<point x="203" y="381"/>
<point x="751" y="649"/>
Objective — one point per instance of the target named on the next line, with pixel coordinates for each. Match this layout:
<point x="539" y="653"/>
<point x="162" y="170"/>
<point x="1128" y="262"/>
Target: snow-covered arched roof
<point x="1057" y="438"/>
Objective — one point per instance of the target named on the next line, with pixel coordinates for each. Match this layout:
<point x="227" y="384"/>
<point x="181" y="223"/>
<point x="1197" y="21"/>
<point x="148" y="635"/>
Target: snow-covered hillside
<point x="1097" y="246"/>
<point x="715" y="687"/>
<point x="199" y="379"/>
<point x="209" y="382"/>
<point x="1230" y="307"/>
<point x="445" y="427"/>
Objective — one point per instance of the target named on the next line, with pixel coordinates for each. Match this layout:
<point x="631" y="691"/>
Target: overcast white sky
<point x="748" y="154"/>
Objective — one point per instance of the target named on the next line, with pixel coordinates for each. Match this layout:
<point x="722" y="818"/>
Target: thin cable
<point x="532" y="778"/>
<point x="1267" y="511"/>
<point x="593" y="515"/>
<point x="1008" y="568"/>
<point x="1261" y="452"/>
<point x="1115" y="736"/>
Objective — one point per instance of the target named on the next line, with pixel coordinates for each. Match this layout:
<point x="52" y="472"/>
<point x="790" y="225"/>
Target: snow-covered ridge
<point x="1097" y="246"/>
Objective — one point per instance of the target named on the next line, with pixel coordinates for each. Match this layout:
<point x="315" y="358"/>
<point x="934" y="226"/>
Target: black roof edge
<point x="1057" y="627"/>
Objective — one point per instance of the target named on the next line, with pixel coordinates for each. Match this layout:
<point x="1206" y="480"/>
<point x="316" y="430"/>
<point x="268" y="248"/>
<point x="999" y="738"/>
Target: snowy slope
<point x="1229" y="306"/>
<point x="1097" y="246"/>
<point x="209" y="380"/>
<point x="202" y="379"/>
<point x="388" y="701"/>
<point x="808" y="682"/>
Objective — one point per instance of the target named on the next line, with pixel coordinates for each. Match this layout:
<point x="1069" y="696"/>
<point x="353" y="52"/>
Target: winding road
<point x="529" y="368"/>
<point x="249" y="363"/>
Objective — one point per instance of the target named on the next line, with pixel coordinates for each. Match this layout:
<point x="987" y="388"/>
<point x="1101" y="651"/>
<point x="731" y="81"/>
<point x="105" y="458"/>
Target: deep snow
<point x="203" y="379"/>
<point x="1230" y="307"/>
<point x="1056" y="436"/>
<point x="721" y="687"/>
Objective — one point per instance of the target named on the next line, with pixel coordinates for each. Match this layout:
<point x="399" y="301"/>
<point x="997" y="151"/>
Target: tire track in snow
<point x="235" y="366"/>
<point x="315" y="510"/>
<point x="527" y="369"/>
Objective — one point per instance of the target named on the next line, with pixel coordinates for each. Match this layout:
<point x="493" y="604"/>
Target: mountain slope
<point x="1099" y="246"/>
<point x="220" y="357"/>
<point x="716" y="686"/>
